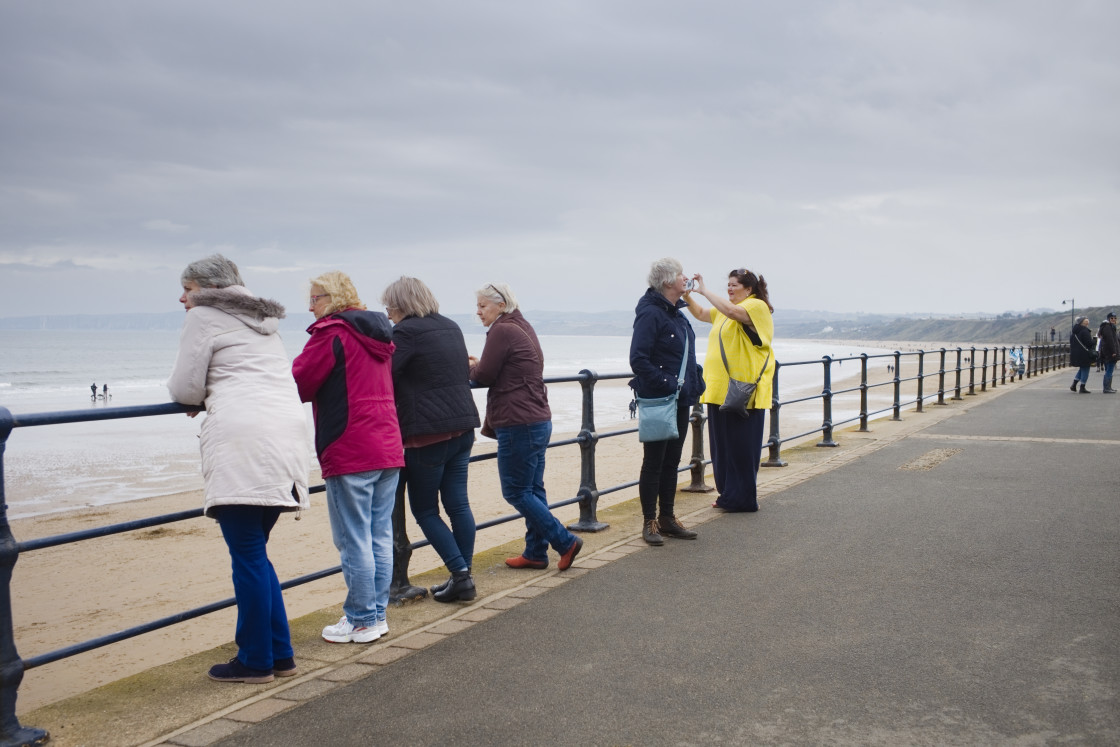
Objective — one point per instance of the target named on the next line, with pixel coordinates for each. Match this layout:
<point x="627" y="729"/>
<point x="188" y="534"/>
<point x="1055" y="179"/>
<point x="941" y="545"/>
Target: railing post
<point x="897" y="388"/>
<point x="826" y="403"/>
<point x="697" y="419"/>
<point x="774" y="444"/>
<point x="957" y="388"/>
<point x="984" y="373"/>
<point x="1002" y="355"/>
<point x="972" y="371"/>
<point x="863" y="393"/>
<point x="11" y="665"/>
<point x="401" y="589"/>
<point x="921" y="377"/>
<point x="941" y="379"/>
<point x="588" y="492"/>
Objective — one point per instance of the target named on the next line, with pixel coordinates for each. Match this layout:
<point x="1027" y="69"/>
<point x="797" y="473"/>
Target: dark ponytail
<point x="756" y="283"/>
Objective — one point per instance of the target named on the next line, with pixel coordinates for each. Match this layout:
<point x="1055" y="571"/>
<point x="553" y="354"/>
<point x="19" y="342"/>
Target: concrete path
<point x="957" y="586"/>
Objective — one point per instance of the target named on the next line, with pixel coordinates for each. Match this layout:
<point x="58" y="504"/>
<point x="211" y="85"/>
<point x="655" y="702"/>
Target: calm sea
<point x="62" y="467"/>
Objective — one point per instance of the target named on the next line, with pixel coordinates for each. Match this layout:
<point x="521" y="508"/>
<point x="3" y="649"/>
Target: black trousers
<point x="736" y="446"/>
<point x="657" y="483"/>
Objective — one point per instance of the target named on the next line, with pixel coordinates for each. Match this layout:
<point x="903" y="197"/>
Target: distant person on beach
<point x="739" y="347"/>
<point x="255" y="449"/>
<point x="662" y="345"/>
<point x="1109" y="350"/>
<point x="437" y="415"/>
<point x="345" y="371"/>
<point x="93" y="390"/>
<point x="105" y="391"/>
<point x="518" y="416"/>
<point x="1081" y="349"/>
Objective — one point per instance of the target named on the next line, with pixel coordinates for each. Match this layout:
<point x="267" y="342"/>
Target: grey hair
<point x="410" y="296"/>
<point x="499" y="293"/>
<point x="214" y="271"/>
<point x="664" y="271"/>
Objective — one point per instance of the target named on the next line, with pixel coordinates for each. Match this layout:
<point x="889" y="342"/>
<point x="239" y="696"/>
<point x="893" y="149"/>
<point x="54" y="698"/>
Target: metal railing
<point x="1038" y="359"/>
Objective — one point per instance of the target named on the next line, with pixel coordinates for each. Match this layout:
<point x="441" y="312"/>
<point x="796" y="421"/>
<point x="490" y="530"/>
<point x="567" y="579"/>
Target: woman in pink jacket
<point x="345" y="371"/>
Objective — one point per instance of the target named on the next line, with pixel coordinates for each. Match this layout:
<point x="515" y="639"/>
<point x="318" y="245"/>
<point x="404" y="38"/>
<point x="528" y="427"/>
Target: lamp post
<point x="1071" y="307"/>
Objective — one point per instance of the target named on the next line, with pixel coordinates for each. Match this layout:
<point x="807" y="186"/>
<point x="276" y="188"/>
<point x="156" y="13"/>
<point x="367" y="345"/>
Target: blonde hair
<point x="410" y="296"/>
<point x="341" y="290"/>
<point x="499" y="293"/>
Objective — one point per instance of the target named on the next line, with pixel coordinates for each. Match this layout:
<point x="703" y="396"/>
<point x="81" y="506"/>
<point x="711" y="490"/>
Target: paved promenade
<point x="956" y="582"/>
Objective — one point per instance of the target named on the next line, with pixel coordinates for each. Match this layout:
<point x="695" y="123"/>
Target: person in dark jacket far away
<point x="437" y="415"/>
<point x="518" y="416"/>
<point x="1081" y="347"/>
<point x="662" y="335"/>
<point x="1109" y="349"/>
<point x="345" y="371"/>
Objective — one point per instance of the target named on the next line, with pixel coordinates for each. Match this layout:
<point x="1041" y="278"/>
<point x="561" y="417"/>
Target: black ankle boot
<point x="440" y="587"/>
<point x="1084" y="390"/>
<point x="1073" y="386"/>
<point x="459" y="588"/>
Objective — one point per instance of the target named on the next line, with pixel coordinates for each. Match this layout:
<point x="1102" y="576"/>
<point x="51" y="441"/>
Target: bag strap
<point x="723" y="354"/>
<point x="684" y="363"/>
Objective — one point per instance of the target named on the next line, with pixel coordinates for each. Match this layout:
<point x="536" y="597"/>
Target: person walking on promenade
<point x="437" y="415"/>
<point x="1081" y="349"/>
<point x="739" y="347"/>
<point x="255" y="449"/>
<point x="1109" y="350"/>
<point x="345" y="371"/>
<point x="518" y="416"/>
<point x="662" y="338"/>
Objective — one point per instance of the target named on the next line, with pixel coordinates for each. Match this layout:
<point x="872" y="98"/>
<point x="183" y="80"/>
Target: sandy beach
<point x="72" y="593"/>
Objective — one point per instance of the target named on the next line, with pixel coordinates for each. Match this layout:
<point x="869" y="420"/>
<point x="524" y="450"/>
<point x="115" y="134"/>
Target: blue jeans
<point x="436" y="472"/>
<point x="521" y="451"/>
<point x="1109" y="369"/>
<point x="361" y="510"/>
<point x="1082" y="375"/>
<point x="262" y="634"/>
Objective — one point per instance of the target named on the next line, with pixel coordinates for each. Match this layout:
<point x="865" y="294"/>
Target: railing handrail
<point x="1041" y="358"/>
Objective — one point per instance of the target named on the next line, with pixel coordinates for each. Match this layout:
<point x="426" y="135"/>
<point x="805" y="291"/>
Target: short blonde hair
<point x="341" y="290"/>
<point x="410" y="296"/>
<point x="499" y="293"/>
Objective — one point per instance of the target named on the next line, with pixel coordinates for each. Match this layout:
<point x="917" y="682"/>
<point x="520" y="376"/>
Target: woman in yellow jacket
<point x="744" y="325"/>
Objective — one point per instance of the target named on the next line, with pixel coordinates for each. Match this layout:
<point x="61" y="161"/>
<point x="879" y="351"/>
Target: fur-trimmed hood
<point x="262" y="315"/>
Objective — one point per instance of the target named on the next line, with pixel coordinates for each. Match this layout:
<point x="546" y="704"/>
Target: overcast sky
<point x="893" y="156"/>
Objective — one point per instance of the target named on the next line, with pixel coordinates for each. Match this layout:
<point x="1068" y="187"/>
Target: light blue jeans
<point x="361" y="509"/>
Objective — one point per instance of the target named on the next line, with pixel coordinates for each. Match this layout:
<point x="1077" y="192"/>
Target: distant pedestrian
<point x="105" y="391"/>
<point x="1081" y="353"/>
<point x="1053" y="332"/>
<point x="1109" y="350"/>
<point x="93" y="390"/>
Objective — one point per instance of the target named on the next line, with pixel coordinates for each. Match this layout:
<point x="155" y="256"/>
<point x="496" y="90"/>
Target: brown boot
<point x="672" y="527"/>
<point x="651" y="534"/>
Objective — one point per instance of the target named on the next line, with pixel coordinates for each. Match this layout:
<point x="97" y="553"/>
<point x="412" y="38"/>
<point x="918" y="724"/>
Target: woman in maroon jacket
<point x="345" y="371"/>
<point x="517" y="412"/>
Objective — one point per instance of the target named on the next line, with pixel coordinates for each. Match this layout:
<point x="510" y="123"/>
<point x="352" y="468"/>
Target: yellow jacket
<point x="743" y="357"/>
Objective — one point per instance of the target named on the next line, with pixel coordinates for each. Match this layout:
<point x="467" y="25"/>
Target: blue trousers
<point x="521" y="450"/>
<point x="262" y="634"/>
<point x="439" y="472"/>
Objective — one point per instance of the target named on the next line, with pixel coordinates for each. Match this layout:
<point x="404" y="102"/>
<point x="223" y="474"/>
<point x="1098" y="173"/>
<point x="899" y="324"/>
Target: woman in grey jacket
<point x="255" y="448"/>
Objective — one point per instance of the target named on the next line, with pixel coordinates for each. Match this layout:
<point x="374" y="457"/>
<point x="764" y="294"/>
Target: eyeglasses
<point x="315" y="299"/>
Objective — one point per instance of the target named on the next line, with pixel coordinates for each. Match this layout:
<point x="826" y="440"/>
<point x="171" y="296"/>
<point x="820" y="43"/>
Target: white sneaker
<point x="382" y="627"/>
<point x="344" y="632"/>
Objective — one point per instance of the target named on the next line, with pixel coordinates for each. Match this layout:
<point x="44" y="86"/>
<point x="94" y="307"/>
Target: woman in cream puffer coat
<point x="255" y="448"/>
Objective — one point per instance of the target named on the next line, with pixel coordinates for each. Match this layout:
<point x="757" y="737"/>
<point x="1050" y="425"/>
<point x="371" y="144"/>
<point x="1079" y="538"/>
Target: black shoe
<point x="1084" y="390"/>
<point x="651" y="534"/>
<point x="235" y="671"/>
<point x="1073" y="386"/>
<point x="459" y="588"/>
<point x="440" y="587"/>
<point x="671" y="527"/>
